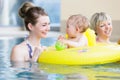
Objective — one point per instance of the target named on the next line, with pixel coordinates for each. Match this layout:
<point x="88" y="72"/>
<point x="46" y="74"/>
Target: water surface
<point x="42" y="71"/>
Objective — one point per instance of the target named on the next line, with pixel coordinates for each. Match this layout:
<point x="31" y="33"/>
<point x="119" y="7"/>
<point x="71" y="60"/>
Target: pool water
<point x="42" y="71"/>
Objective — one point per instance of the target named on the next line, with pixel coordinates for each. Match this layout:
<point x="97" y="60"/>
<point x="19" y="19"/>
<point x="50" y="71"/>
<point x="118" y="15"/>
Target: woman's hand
<point x="37" y="52"/>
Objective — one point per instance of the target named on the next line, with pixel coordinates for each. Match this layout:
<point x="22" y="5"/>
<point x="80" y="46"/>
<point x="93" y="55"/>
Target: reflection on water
<point x="41" y="71"/>
<point x="35" y="71"/>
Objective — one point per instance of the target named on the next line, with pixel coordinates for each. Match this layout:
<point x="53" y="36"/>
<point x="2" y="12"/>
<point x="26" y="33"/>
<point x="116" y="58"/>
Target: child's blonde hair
<point x="78" y="20"/>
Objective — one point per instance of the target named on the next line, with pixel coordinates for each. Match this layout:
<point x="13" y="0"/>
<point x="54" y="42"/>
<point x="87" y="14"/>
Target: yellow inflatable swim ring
<point x="99" y="54"/>
<point x="90" y="34"/>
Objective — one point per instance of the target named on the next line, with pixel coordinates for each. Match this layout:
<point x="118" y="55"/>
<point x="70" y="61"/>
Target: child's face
<point x="104" y="29"/>
<point x="71" y="31"/>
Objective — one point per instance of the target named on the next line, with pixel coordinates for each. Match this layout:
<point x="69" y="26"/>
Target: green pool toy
<point x="60" y="46"/>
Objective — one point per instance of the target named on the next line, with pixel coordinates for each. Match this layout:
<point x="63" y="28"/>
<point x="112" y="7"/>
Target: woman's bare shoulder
<point x="19" y="47"/>
<point x="18" y="52"/>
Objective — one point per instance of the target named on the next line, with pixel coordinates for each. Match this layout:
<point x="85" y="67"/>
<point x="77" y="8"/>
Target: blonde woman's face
<point x="42" y="27"/>
<point x="104" y="29"/>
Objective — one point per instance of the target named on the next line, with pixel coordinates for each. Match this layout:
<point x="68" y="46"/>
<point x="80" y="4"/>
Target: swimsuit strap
<point x="30" y="49"/>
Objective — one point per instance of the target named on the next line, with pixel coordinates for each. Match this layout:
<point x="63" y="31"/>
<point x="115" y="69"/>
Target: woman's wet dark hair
<point x="30" y="13"/>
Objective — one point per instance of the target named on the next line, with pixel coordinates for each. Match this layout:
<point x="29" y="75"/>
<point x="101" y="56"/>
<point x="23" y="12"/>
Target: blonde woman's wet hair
<point x="78" y="20"/>
<point x="97" y="18"/>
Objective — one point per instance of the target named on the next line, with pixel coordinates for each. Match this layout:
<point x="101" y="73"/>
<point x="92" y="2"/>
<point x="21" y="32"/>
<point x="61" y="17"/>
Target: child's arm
<point x="70" y="43"/>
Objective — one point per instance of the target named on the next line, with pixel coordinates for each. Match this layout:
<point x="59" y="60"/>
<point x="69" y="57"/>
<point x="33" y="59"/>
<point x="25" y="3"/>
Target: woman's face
<point x="42" y="26"/>
<point x="104" y="29"/>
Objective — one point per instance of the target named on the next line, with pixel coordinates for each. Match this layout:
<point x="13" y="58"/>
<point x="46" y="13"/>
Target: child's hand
<point x="61" y="43"/>
<point x="61" y="37"/>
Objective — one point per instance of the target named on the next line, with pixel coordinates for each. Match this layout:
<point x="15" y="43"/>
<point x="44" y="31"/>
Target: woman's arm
<point x="37" y="52"/>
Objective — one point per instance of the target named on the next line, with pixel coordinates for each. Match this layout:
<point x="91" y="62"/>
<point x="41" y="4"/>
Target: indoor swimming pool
<point x="41" y="71"/>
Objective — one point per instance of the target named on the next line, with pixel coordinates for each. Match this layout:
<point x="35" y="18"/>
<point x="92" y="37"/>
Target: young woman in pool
<point x="37" y="23"/>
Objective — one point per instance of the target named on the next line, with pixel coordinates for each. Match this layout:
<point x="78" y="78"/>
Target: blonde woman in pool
<point x="76" y="26"/>
<point x="37" y="23"/>
<point x="101" y="23"/>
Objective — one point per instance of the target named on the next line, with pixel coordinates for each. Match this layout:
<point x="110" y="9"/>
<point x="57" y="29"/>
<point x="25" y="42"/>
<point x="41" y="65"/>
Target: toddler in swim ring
<point x="76" y="26"/>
